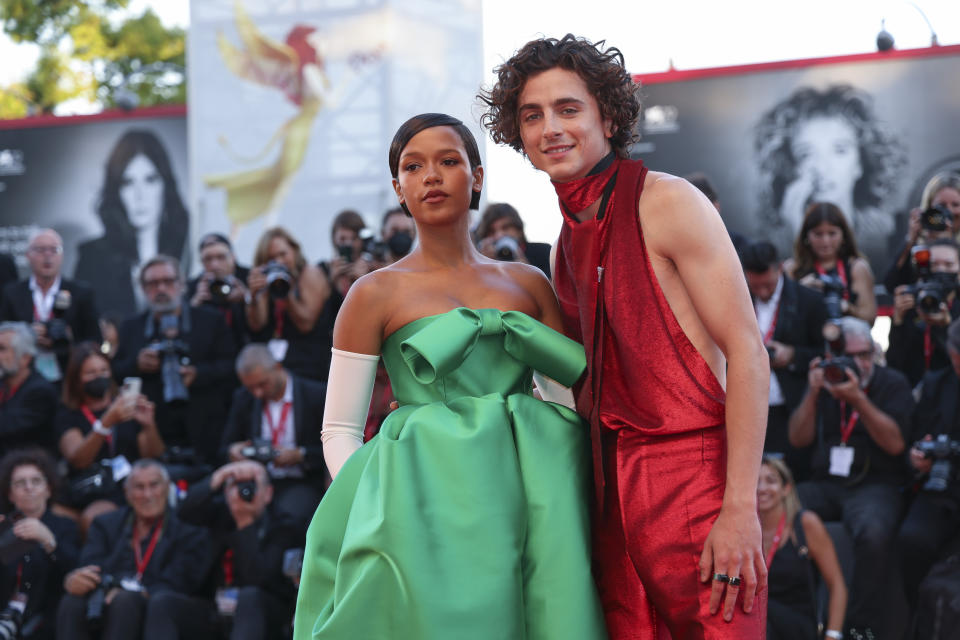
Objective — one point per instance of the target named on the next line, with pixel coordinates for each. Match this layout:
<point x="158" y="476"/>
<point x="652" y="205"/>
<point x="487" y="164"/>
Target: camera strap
<point x="841" y="273"/>
<point x="143" y="560"/>
<point x="7" y="393"/>
<point x="92" y="419"/>
<point x="768" y="336"/>
<point x="277" y="431"/>
<point x="776" y="539"/>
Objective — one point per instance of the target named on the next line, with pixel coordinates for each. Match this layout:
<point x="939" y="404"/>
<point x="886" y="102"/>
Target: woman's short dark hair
<point x="494" y="212"/>
<point x="415" y="125"/>
<point x="174" y="220"/>
<point x="72" y="395"/>
<point x="602" y="69"/>
<point x="33" y="456"/>
<point x="816" y="214"/>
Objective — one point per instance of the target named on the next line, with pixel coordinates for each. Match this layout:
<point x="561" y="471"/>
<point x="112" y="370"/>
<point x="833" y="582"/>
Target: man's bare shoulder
<point x="665" y="190"/>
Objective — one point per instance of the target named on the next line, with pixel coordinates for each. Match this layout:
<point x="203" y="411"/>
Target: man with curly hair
<point x="648" y="280"/>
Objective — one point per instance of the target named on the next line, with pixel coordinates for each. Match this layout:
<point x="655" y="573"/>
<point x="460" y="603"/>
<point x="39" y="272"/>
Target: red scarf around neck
<point x="577" y="195"/>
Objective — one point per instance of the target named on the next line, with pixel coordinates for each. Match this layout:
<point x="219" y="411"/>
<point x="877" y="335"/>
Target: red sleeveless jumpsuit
<point x="657" y="414"/>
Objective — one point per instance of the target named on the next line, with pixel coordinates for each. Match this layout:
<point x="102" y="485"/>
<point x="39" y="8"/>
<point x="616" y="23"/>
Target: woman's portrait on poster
<point x="142" y="215"/>
<point x="828" y="146"/>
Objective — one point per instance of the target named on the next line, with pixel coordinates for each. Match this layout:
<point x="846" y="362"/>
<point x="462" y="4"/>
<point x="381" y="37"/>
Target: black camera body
<point x="260" y="450"/>
<point x="936" y="218"/>
<point x="96" y="601"/>
<point x="174" y="353"/>
<point x="833" y="289"/>
<point x="220" y="290"/>
<point x="835" y="369"/>
<point x="279" y="279"/>
<point x="507" y="249"/>
<point x="942" y="450"/>
<point x="247" y="490"/>
<point x="932" y="291"/>
<point x="56" y="326"/>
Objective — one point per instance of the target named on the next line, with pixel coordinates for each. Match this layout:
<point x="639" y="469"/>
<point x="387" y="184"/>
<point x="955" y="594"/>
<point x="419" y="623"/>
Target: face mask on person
<point x="96" y="388"/>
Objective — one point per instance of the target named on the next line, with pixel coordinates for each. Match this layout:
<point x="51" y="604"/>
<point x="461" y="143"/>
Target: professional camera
<point x="174" y="353"/>
<point x="941" y="450"/>
<point x="260" y="450"/>
<point x="11" y="620"/>
<point x="220" y="290"/>
<point x="833" y="289"/>
<point x="373" y="249"/>
<point x="95" y="483"/>
<point x="506" y="248"/>
<point x="279" y="279"/>
<point x="931" y="289"/>
<point x="57" y="325"/>
<point x="247" y="490"/>
<point x="936" y="218"/>
<point x="96" y="601"/>
<point x="835" y="369"/>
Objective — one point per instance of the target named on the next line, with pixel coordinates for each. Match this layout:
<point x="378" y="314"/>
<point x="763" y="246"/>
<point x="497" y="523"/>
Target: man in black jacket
<point x="281" y="413"/>
<point x="858" y="414"/>
<point x="222" y="285"/>
<point x="791" y="321"/>
<point x="184" y="356"/>
<point x="934" y="516"/>
<point x="27" y="401"/>
<point x="918" y="332"/>
<point x="61" y="312"/>
<point x="142" y="559"/>
<point x="252" y="539"/>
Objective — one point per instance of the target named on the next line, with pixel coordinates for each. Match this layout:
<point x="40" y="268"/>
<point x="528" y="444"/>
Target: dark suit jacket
<point x="108" y="271"/>
<point x="237" y="319"/>
<point x="257" y="549"/>
<point x="800" y="321"/>
<point x="43" y="574"/>
<point x="180" y="562"/>
<point x="905" y="352"/>
<point x="246" y="413"/>
<point x="938" y="412"/>
<point x="8" y="272"/>
<point x="200" y="423"/>
<point x="82" y="315"/>
<point x="27" y="418"/>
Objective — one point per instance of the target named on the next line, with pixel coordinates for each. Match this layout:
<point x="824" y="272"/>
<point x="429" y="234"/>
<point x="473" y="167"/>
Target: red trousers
<point x="662" y="496"/>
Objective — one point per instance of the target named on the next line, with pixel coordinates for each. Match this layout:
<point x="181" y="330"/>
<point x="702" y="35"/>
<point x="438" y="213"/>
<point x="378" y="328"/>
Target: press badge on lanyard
<point x="841" y="457"/>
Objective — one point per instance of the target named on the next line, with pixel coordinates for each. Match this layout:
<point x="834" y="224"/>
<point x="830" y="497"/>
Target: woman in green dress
<point x="467" y="516"/>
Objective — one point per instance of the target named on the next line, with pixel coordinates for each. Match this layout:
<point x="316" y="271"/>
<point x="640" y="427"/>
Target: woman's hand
<point x="33" y="529"/>
<point x="121" y="410"/>
<point x="914" y="227"/>
<point x="144" y="411"/>
<point x="82" y="581"/>
<point x="256" y="281"/>
<point x="812" y="281"/>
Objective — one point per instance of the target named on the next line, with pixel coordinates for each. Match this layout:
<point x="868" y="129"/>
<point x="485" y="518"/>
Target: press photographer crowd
<point x="159" y="471"/>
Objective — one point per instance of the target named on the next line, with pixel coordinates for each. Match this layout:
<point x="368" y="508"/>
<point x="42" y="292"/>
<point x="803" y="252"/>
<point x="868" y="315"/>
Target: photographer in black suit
<point x="222" y="285"/>
<point x="934" y="516"/>
<point x="275" y="418"/>
<point x="791" y="321"/>
<point x="184" y="356"/>
<point x="236" y="504"/>
<point x="61" y="312"/>
<point x="27" y="401"/>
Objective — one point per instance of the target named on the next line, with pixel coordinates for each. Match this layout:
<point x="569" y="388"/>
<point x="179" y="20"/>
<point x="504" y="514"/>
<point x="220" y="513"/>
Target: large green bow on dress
<point x="430" y="357"/>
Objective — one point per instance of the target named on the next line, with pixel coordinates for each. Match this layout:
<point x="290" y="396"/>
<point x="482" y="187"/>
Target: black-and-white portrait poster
<point x="864" y="132"/>
<point x="113" y="185"/>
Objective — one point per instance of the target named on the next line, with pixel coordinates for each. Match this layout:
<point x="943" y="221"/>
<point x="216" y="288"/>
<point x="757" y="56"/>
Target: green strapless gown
<point x="466" y="517"/>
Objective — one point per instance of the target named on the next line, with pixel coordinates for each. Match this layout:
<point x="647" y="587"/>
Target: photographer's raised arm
<point x="800" y="428"/>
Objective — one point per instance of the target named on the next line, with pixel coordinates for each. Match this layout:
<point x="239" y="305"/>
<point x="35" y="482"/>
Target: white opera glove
<point x="349" y="389"/>
<point x="553" y="391"/>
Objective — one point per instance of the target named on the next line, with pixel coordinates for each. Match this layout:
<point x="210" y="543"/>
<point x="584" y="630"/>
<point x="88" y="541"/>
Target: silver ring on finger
<point x="736" y="581"/>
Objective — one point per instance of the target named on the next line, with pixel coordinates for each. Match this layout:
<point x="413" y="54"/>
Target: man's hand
<point x="848" y="391"/>
<point x="919" y="461"/>
<point x="782" y="354"/>
<point x="203" y="291"/>
<point x="83" y="580"/>
<point x="903" y="301"/>
<point x="815" y="376"/>
<point x="40" y="330"/>
<point x="239" y="471"/>
<point x="238" y="291"/>
<point x="148" y="360"/>
<point x="234" y="451"/>
<point x="941" y="318"/>
<point x="734" y="549"/>
<point x="33" y="529"/>
<point x="288" y="457"/>
<point x="189" y="374"/>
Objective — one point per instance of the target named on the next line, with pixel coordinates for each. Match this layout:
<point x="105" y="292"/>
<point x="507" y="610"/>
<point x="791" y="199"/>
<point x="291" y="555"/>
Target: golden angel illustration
<point x="298" y="67"/>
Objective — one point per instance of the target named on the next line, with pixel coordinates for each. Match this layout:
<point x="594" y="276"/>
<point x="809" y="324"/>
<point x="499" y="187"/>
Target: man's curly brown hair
<point x="601" y="69"/>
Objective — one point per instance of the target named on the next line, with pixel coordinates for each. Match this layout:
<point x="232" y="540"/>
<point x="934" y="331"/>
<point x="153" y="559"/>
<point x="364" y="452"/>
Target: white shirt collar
<point x="35" y="286"/>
